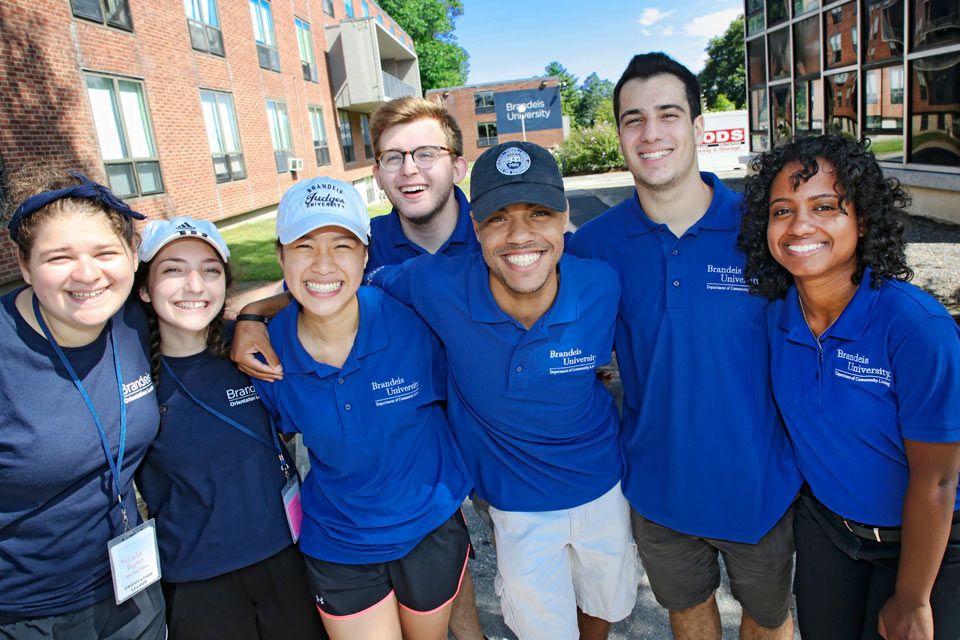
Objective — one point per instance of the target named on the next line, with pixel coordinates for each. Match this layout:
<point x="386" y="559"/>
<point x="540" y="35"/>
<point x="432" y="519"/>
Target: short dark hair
<point x="878" y="202"/>
<point x="647" y="65"/>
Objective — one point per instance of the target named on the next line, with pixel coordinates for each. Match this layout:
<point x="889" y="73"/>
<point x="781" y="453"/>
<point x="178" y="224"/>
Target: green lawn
<point x="252" y="254"/>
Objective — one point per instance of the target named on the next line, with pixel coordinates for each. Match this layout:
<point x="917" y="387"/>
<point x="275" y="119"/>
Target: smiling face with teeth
<point x="810" y="231"/>
<point x="186" y="286"/>
<point x="522" y="244"/>
<point x="324" y="269"/>
<point x="420" y="195"/>
<point x="81" y="272"/>
<point x="658" y="138"/>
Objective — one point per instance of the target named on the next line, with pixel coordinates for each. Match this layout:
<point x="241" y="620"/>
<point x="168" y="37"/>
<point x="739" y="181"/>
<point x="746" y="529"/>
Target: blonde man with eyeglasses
<point x="419" y="152"/>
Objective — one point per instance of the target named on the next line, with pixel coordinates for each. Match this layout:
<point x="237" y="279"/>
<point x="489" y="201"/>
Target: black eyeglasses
<point x="424" y="157"/>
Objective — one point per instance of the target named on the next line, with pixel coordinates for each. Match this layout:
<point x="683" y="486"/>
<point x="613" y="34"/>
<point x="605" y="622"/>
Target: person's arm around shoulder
<point x="395" y="279"/>
<point x="251" y="338"/>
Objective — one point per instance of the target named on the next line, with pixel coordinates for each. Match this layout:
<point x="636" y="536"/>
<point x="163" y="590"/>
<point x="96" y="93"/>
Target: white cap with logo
<point x="321" y="202"/>
<point x="159" y="233"/>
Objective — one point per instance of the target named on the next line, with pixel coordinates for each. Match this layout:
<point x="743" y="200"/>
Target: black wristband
<point x="252" y="317"/>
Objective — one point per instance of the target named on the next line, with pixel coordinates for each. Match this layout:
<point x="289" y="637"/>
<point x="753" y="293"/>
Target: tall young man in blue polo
<point x="708" y="466"/>
<point x="524" y="328"/>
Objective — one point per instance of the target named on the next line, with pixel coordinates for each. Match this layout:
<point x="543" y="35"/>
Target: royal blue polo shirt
<point x="58" y="506"/>
<point x="887" y="370"/>
<point x="538" y="430"/>
<point x="385" y="470"/>
<point x="705" y="451"/>
<point x="214" y="491"/>
<point x="389" y="245"/>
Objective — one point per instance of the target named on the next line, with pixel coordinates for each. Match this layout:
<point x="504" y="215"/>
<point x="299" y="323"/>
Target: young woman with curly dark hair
<point x="214" y="475"/>
<point x="866" y="372"/>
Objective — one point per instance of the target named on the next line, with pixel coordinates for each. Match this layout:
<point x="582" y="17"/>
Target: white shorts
<point x="549" y="563"/>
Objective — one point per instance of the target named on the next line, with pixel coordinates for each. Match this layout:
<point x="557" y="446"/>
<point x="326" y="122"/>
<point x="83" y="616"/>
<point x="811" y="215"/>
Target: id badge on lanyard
<point x="133" y="555"/>
<point x="290" y="494"/>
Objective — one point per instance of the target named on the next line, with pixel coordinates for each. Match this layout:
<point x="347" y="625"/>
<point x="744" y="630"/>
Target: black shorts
<point x="423" y="581"/>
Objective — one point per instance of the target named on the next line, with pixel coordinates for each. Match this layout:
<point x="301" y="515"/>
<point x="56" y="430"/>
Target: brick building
<point x="487" y="113"/>
<point x="207" y="108"/>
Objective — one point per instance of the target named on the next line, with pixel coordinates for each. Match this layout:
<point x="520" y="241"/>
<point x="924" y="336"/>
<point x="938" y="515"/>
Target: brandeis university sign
<point x="542" y="109"/>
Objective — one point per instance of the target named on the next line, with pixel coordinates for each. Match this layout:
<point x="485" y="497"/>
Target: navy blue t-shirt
<point x="384" y="469"/>
<point x="58" y="507"/>
<point x="704" y="448"/>
<point x="889" y="370"/>
<point x="214" y="490"/>
<point x="538" y="429"/>
<point x="388" y="244"/>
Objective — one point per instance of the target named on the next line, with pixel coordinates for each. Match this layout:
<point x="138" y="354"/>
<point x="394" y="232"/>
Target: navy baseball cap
<point x="514" y="173"/>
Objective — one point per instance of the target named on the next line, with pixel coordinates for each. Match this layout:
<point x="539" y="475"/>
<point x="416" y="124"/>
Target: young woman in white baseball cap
<point x="216" y="478"/>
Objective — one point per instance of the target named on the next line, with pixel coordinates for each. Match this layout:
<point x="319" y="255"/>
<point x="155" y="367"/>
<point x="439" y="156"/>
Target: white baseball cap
<point x="159" y="233"/>
<point x="321" y="202"/>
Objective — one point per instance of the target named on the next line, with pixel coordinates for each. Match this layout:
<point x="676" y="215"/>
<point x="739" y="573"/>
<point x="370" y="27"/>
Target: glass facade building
<point x="888" y="70"/>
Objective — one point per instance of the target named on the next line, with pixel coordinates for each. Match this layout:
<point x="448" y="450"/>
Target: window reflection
<point x="936" y="23"/>
<point x="840" y="36"/>
<point x="776" y="12"/>
<point x="808" y="107"/>
<point x="780" y="107"/>
<point x="883" y="122"/>
<point x="780" y="54"/>
<point x="841" y="104"/>
<point x="884" y="30"/>
<point x="759" y="121"/>
<point x="935" y="110"/>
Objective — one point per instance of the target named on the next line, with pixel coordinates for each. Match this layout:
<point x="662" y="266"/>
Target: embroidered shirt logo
<point x="857" y="369"/>
<point x="242" y="395"/>
<point x="571" y="360"/>
<point x="140" y="387"/>
<point x="513" y="161"/>
<point x="395" y="390"/>
<point x="726" y="278"/>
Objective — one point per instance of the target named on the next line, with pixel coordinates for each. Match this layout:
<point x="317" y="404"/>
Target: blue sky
<point x="509" y="39"/>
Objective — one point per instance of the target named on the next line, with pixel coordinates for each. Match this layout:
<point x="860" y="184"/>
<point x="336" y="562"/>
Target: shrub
<point x="594" y="149"/>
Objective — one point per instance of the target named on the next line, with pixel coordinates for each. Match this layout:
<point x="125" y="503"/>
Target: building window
<point x="840" y="34"/>
<point x="779" y="42"/>
<point x="204" y="26"/>
<point x="776" y="12"/>
<point x="803" y="6"/>
<point x="346" y="136"/>
<point x="115" y="13"/>
<point x="264" y="35"/>
<point x="280" y="134"/>
<point x="759" y="121"/>
<point x="123" y="130"/>
<point x="841" y="101"/>
<point x="935" y="24"/>
<point x="393" y="31"/>
<point x="884" y="22"/>
<point x="365" y="8"/>
<point x="483" y="102"/>
<point x="223" y="136"/>
<point x="365" y="132"/>
<point x="328" y="7"/>
<point x="305" y="45"/>
<point x="883" y="116"/>
<point x="896" y="85"/>
<point x="320" y="147"/>
<point x="380" y="18"/>
<point x="487" y="134"/>
<point x="782" y="118"/>
<point x="348" y="7"/>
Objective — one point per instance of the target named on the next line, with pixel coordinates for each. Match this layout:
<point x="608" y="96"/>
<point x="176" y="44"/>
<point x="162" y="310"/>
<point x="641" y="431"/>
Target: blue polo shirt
<point x="58" y="508"/>
<point x="385" y="471"/>
<point x="889" y="370"/>
<point x="214" y="490"/>
<point x="538" y="430"/>
<point x="705" y="451"/>
<point x="388" y="244"/>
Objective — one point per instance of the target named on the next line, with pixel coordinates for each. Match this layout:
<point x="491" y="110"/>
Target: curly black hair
<point x="878" y="203"/>
<point x="216" y="341"/>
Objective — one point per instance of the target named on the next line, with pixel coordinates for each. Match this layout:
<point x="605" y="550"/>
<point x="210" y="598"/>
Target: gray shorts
<point x="684" y="570"/>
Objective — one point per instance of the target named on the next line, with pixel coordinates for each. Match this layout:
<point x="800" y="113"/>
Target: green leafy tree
<point x="443" y="63"/>
<point x="569" y="93"/>
<point x="724" y="72"/>
<point x="596" y="101"/>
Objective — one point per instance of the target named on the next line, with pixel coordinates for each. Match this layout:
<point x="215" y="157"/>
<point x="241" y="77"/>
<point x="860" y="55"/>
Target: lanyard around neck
<point x="115" y="467"/>
<point x="275" y="447"/>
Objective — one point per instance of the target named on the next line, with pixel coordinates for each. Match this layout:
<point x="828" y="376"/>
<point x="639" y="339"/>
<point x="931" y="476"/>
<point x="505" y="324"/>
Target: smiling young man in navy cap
<point x="524" y="328"/>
